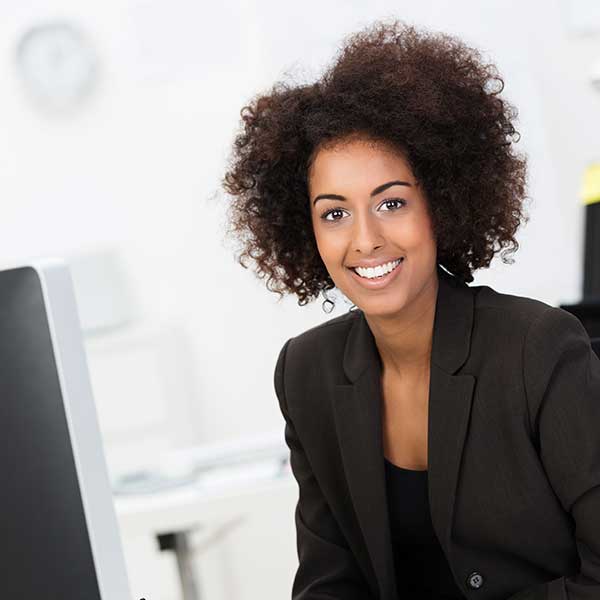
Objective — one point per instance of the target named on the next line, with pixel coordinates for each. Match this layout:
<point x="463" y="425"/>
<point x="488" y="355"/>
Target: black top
<point x="421" y="566"/>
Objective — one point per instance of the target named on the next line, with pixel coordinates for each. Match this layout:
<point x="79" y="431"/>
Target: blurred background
<point x="117" y="119"/>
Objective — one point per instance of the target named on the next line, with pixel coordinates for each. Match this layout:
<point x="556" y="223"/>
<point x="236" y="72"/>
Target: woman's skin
<point x="362" y="227"/>
<point x="401" y="314"/>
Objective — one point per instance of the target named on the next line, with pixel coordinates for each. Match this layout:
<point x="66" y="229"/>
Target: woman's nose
<point x="366" y="234"/>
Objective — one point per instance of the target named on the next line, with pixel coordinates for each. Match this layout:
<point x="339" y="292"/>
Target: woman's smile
<point x="378" y="282"/>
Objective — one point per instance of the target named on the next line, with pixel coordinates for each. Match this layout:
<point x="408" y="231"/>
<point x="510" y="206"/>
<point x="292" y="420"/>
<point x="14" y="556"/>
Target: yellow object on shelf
<point x="590" y="190"/>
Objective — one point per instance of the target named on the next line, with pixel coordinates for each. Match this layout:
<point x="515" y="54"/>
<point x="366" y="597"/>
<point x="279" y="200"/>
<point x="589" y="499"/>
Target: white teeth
<point x="377" y="271"/>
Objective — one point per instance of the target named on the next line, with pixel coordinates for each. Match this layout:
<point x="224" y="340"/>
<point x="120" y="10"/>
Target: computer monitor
<point x="59" y="533"/>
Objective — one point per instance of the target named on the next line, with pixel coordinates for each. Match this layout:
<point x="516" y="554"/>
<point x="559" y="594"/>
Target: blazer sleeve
<point x="562" y="383"/>
<point x="327" y="569"/>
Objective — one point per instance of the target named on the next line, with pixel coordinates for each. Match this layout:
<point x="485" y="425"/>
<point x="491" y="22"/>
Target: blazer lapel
<point x="357" y="409"/>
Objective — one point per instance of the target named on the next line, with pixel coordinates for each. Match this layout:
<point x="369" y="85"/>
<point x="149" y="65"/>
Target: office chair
<point x="596" y="345"/>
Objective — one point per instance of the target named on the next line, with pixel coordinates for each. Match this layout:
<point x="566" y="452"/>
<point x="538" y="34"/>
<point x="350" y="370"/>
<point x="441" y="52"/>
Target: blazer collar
<point x="451" y="331"/>
<point x="358" y="420"/>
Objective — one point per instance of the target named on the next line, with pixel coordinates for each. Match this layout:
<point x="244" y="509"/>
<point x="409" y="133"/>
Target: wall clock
<point x="57" y="64"/>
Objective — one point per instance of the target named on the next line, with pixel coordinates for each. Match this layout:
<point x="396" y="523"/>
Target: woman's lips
<point x="380" y="282"/>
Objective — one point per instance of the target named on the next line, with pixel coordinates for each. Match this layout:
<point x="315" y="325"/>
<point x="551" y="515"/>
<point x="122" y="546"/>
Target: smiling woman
<point x="427" y="99"/>
<point x="444" y="437"/>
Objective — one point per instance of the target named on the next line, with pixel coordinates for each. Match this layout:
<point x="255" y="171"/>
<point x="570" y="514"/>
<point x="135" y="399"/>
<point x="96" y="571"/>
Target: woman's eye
<point x="388" y="202"/>
<point x="331" y="212"/>
<point x="392" y="200"/>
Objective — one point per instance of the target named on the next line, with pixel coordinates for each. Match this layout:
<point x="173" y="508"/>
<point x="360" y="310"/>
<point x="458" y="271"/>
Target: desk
<point x="195" y="516"/>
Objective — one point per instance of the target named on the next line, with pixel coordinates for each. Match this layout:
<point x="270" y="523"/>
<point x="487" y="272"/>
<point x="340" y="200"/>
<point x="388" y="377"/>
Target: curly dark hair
<point x="425" y="93"/>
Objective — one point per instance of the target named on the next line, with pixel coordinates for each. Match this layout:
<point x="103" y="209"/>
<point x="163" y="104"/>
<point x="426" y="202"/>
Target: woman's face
<point x="367" y="209"/>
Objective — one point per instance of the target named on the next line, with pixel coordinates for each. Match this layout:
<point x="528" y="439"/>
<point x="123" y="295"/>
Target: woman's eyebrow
<point x="377" y="190"/>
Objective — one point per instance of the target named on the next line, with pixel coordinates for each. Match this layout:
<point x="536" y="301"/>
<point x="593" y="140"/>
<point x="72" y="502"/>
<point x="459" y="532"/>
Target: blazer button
<point x="475" y="580"/>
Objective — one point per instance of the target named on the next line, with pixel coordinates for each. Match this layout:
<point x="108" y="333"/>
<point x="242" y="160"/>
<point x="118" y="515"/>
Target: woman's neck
<point x="404" y="341"/>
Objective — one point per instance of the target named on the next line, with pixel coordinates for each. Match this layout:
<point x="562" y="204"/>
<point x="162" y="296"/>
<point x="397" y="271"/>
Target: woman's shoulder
<point x="505" y="316"/>
<point x="322" y="345"/>
<point x="513" y="308"/>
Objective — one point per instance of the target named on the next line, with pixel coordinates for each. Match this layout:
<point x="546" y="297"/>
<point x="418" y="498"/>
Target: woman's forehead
<point x="357" y="160"/>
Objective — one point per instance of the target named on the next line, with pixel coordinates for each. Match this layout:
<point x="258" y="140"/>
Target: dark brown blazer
<point x="513" y="451"/>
